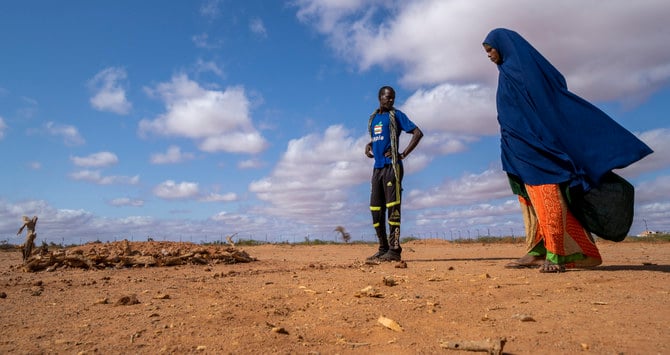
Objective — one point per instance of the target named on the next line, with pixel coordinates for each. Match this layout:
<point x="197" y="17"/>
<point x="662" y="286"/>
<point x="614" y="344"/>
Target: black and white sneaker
<point x="390" y="255"/>
<point x="377" y="255"/>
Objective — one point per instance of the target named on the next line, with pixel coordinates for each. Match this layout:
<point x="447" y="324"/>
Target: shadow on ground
<point x="643" y="267"/>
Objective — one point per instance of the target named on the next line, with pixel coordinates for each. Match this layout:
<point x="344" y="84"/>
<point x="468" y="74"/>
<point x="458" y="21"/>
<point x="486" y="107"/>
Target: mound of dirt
<point x="133" y="254"/>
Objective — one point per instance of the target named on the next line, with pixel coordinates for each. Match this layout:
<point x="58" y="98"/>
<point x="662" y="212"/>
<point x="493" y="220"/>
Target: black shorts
<point x="385" y="188"/>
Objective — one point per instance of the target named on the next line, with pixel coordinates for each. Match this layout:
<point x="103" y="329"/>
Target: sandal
<point x="548" y="268"/>
<point x="526" y="262"/>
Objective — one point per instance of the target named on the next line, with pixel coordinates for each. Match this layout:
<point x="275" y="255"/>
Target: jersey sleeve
<point x="404" y="122"/>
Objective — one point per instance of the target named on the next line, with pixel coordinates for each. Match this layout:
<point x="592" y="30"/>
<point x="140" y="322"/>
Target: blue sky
<point x="193" y="120"/>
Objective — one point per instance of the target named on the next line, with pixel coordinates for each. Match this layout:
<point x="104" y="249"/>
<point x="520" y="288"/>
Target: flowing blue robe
<point x="548" y="134"/>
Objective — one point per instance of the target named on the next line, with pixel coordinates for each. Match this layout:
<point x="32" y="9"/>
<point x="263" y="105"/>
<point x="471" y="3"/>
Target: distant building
<point x="647" y="233"/>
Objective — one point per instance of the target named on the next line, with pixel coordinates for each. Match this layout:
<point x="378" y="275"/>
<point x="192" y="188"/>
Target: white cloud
<point x="657" y="140"/>
<point x="250" y="164"/>
<point x="470" y="188"/>
<point x="443" y="143"/>
<point x="214" y="197"/>
<point x="433" y="42"/>
<point x="327" y="14"/>
<point x="218" y="120"/>
<point x="125" y="201"/>
<point x="248" y="224"/>
<point x="313" y="177"/>
<point x="70" y="134"/>
<point x="653" y="191"/>
<point x="234" y="142"/>
<point x="109" y="92"/>
<point x="210" y="9"/>
<point x="229" y="218"/>
<point x="81" y="226"/>
<point x="653" y="216"/>
<point x="29" y="107"/>
<point x="3" y="127"/>
<point x="96" y="177"/>
<point x="173" y="155"/>
<point x="200" y="40"/>
<point x="100" y="159"/>
<point x="171" y="190"/>
<point x="29" y="101"/>
<point x="500" y="216"/>
<point x="465" y="109"/>
<point x="203" y="41"/>
<point x="257" y="26"/>
<point x="202" y="66"/>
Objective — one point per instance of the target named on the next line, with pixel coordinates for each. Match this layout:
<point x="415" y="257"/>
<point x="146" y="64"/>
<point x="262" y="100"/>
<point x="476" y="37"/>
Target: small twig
<point x="229" y="239"/>
<point x="490" y="346"/>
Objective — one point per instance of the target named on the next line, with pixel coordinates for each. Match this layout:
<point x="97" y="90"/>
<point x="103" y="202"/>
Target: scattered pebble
<point x="401" y="265"/>
<point x="390" y="323"/>
<point x="127" y="300"/>
<point x="389" y="281"/>
<point x="524" y="317"/>
<point x="369" y="291"/>
<point x="280" y="330"/>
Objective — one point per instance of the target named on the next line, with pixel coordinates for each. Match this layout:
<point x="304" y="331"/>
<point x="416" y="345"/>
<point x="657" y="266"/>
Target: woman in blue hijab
<point x="552" y="137"/>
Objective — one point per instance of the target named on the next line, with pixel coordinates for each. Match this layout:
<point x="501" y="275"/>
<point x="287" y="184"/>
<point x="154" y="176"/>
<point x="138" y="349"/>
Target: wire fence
<point x="285" y="238"/>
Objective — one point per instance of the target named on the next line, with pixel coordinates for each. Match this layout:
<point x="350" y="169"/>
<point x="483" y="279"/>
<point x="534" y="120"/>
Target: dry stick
<point x="494" y="347"/>
<point x="28" y="246"/>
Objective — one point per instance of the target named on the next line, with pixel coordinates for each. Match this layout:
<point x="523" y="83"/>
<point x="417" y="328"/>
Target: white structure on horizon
<point x="647" y="233"/>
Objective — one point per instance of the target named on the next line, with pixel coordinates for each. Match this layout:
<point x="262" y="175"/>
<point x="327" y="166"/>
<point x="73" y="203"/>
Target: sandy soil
<point x="323" y="299"/>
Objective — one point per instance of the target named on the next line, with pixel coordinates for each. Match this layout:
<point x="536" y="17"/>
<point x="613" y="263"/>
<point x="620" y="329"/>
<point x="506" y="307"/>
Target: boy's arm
<point x="417" y="134"/>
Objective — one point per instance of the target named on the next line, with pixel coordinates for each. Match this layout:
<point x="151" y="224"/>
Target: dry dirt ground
<point x="323" y="299"/>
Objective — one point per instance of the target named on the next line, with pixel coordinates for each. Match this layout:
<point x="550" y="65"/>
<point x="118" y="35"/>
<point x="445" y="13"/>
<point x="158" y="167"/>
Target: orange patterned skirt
<point x="551" y="228"/>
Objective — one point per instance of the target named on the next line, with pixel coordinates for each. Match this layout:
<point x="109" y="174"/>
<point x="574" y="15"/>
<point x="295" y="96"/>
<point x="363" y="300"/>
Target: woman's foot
<point x="549" y="267"/>
<point x="526" y="262"/>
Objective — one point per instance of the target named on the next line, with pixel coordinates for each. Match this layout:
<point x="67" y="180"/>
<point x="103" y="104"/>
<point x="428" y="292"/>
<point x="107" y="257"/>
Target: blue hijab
<point x="548" y="134"/>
